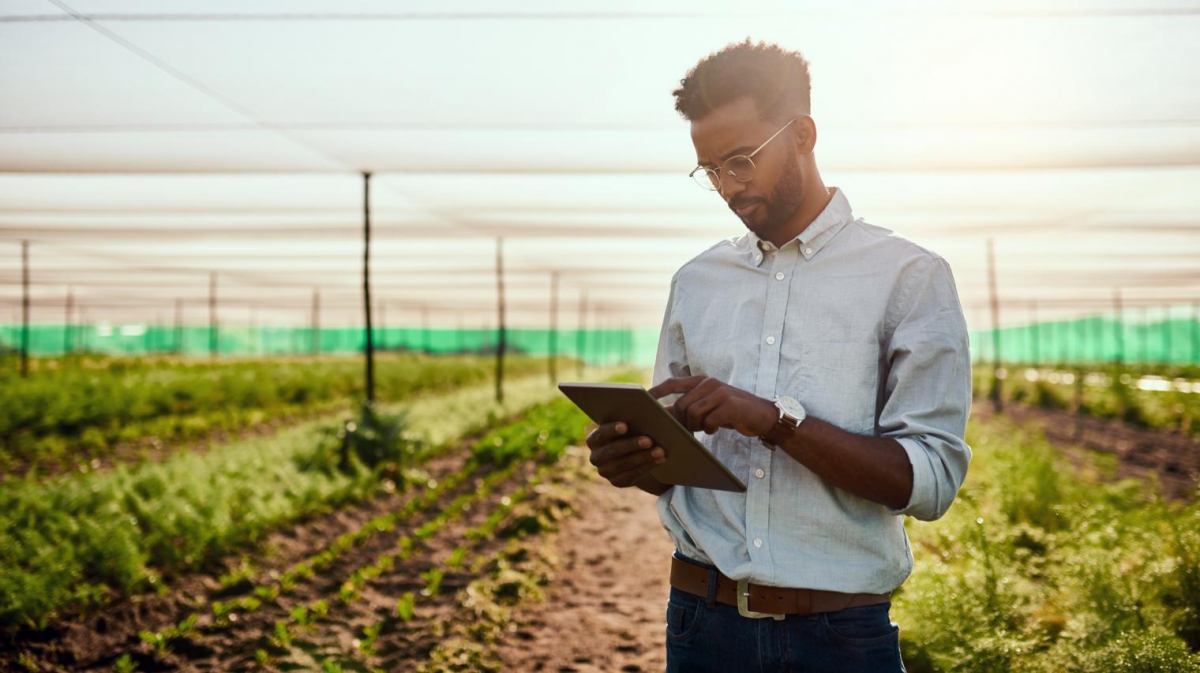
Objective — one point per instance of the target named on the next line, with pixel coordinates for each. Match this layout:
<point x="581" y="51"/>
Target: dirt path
<point x="605" y="608"/>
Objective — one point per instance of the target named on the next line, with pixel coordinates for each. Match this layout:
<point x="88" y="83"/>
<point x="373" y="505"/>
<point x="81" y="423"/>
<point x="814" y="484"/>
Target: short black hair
<point x="777" y="80"/>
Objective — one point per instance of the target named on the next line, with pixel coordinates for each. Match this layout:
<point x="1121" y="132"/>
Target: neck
<point x="816" y="198"/>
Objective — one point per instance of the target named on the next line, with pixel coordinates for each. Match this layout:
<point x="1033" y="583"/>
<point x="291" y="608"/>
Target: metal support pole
<point x="1166" y="338"/>
<point x="179" y="327"/>
<point x="1196" y="332"/>
<point x="553" y="336"/>
<point x="1119" y="327"/>
<point x="24" y="308"/>
<point x="1037" y="332"/>
<point x="996" y="398"/>
<point x="370" y="350"/>
<point x="315" y="336"/>
<point x="426" y="339"/>
<point x="581" y="335"/>
<point x="501" y="343"/>
<point x="67" y="321"/>
<point x="212" y="314"/>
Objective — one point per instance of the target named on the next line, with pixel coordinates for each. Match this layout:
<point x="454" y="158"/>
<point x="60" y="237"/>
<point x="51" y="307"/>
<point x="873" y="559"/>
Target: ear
<point x="804" y="132"/>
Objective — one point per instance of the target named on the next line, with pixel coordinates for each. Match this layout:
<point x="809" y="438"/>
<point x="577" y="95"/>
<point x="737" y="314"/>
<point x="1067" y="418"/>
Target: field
<point x="441" y="531"/>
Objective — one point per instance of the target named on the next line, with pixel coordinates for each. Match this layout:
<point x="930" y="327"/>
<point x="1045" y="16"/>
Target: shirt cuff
<point x="923" y="499"/>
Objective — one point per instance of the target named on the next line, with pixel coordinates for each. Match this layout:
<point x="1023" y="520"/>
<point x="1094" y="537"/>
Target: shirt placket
<point x="758" y="493"/>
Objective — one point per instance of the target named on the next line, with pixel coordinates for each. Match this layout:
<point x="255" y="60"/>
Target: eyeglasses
<point x="740" y="167"/>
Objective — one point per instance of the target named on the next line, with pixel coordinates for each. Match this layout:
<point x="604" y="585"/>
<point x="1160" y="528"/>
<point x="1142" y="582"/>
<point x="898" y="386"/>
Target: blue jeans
<point x="716" y="638"/>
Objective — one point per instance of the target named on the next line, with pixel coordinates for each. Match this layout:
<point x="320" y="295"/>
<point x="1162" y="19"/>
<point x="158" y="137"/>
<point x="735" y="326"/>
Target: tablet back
<point x="689" y="463"/>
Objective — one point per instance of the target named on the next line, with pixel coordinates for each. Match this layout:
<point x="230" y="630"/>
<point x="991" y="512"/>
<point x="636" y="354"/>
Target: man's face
<point x="768" y="201"/>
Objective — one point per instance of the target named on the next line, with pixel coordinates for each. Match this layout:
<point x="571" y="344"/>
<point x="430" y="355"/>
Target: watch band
<point x="778" y="433"/>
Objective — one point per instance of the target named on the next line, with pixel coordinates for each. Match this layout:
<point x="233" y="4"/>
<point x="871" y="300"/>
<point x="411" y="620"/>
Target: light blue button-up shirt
<point x="865" y="329"/>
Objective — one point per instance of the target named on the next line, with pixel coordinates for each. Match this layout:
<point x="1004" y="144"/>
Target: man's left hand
<point x="708" y="404"/>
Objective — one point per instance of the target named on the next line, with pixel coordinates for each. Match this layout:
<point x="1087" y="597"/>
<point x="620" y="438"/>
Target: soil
<point x="604" y="601"/>
<point x="605" y="610"/>
<point x="1171" y="458"/>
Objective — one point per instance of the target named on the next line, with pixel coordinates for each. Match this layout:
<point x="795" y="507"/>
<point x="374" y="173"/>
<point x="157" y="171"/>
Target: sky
<point x="144" y="145"/>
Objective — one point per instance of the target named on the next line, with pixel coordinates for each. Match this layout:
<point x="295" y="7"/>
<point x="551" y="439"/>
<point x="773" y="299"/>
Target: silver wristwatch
<point x="791" y="415"/>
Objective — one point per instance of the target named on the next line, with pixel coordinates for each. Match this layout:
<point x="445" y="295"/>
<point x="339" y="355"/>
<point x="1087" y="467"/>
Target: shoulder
<point x="723" y="255"/>
<point x="884" y="245"/>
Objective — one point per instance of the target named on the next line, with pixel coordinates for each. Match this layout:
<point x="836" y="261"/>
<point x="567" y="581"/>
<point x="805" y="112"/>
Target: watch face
<point x="790" y="407"/>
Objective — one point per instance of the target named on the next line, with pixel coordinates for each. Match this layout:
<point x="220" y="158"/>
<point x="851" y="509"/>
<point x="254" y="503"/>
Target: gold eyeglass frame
<point x="748" y="157"/>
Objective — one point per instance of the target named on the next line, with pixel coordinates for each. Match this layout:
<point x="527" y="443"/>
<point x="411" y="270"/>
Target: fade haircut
<point x="775" y="78"/>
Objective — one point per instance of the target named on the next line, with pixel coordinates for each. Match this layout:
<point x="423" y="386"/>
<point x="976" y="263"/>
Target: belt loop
<point x="711" y="601"/>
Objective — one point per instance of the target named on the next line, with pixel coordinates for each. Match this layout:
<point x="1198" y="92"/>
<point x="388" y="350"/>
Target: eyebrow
<point x="733" y="152"/>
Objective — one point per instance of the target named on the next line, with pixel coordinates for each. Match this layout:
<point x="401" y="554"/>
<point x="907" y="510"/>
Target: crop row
<point x="1041" y="567"/>
<point x="1108" y="392"/>
<point x="540" y="438"/>
<point x="78" y="541"/>
<point x="84" y="410"/>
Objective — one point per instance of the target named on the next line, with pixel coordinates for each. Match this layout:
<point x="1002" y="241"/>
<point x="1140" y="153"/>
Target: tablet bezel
<point x="689" y="462"/>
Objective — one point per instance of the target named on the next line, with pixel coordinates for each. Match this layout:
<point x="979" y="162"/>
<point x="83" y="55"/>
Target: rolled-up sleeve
<point x="671" y="359"/>
<point x="927" y="395"/>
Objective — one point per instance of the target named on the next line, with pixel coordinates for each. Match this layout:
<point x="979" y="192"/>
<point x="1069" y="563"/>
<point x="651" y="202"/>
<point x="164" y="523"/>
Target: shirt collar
<point x="820" y="231"/>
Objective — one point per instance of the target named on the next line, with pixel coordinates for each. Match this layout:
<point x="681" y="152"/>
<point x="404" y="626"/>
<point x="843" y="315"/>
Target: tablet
<point x="689" y="463"/>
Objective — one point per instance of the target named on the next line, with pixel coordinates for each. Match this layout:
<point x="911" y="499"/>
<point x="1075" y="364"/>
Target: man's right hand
<point x="620" y="459"/>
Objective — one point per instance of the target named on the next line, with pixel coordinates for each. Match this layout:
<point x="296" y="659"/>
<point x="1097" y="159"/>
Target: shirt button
<point x="771" y="340"/>
<point x="808" y="251"/>
<point x="758" y="543"/>
<point x="779" y="276"/>
<point x="758" y="258"/>
<point x="759" y="473"/>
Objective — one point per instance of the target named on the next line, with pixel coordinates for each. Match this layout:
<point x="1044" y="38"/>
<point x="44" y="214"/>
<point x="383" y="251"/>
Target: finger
<point x="636" y="460"/>
<point x="683" y="405"/>
<point x="606" y="433"/>
<point x="675" y="386"/>
<point x="632" y="476"/>
<point x="703" y="415"/>
<point x="622" y="447"/>
<point x="721" y="417"/>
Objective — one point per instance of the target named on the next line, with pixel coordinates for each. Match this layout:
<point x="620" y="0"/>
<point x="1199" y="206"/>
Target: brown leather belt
<point x="756" y="600"/>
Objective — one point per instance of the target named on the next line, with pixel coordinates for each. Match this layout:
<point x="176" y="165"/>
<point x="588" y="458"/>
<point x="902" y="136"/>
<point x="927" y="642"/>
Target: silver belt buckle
<point x="743" y="598"/>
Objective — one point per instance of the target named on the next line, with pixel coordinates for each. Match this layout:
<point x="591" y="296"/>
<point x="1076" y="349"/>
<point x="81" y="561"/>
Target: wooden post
<point x="24" y="309"/>
<point x="996" y="397"/>
<point x="553" y="336"/>
<point x="501" y="343"/>
<point x="370" y="350"/>
<point x="212" y="314"/>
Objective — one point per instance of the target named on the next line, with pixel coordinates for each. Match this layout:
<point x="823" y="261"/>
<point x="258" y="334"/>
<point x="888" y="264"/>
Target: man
<point x="826" y="361"/>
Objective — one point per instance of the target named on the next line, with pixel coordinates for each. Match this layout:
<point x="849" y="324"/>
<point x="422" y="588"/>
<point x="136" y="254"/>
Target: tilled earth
<point x="1170" y="457"/>
<point x="605" y="601"/>
<point x="606" y="608"/>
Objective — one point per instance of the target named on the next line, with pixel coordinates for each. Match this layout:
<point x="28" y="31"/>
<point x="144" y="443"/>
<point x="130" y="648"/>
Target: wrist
<point x="768" y="418"/>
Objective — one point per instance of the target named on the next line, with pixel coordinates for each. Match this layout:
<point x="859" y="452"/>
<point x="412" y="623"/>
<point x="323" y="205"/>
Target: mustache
<point x="743" y="202"/>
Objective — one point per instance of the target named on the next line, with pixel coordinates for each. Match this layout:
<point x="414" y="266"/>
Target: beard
<point x="779" y="208"/>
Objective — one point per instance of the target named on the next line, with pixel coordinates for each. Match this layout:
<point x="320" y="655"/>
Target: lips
<point x="744" y="209"/>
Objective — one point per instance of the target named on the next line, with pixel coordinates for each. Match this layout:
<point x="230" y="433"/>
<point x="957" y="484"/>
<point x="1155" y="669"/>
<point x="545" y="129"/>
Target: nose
<point x="730" y="188"/>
